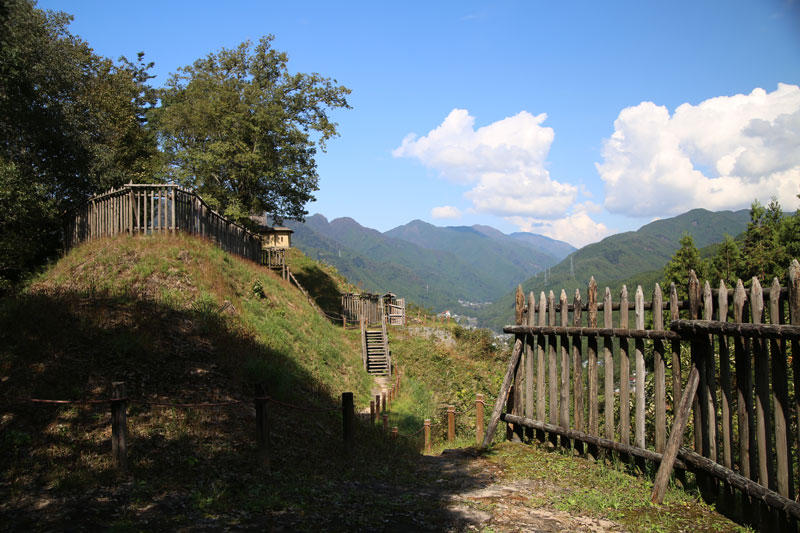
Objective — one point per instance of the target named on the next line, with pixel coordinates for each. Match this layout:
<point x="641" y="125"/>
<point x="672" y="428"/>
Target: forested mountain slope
<point x="634" y="255"/>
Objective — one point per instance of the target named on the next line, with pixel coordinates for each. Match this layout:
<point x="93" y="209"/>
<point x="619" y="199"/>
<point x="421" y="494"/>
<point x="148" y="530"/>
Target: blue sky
<point x="574" y="120"/>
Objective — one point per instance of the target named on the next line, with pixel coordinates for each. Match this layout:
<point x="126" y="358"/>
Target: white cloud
<point x="719" y="154"/>
<point x="503" y="162"/>
<point x="445" y="211"/>
<point x="576" y="228"/>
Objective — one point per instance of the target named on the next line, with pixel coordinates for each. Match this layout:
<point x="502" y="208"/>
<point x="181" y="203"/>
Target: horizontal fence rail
<point x="618" y="386"/>
<point x="149" y="209"/>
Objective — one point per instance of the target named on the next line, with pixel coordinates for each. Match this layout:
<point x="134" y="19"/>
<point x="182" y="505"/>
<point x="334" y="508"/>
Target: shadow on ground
<point x="194" y="468"/>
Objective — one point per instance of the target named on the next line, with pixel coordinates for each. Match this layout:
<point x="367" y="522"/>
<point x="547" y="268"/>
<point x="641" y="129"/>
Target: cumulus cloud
<point x="445" y="211"/>
<point x="576" y="228"/>
<point x="719" y="154"/>
<point x="503" y="163"/>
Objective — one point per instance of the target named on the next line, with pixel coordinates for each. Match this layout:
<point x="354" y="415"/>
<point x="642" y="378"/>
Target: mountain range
<point x="474" y="270"/>
<point x="432" y="266"/>
<point x="632" y="257"/>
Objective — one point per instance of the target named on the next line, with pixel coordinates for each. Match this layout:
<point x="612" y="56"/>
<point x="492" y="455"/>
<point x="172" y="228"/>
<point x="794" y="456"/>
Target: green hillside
<point x="505" y="259"/>
<point x="431" y="266"/>
<point x="179" y="321"/>
<point x="634" y="257"/>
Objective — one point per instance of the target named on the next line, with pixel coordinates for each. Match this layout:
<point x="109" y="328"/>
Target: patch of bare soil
<point x="497" y="504"/>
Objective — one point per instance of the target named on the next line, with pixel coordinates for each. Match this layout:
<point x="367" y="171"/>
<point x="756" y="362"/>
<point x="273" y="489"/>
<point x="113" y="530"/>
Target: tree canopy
<point x="236" y="126"/>
<point x="71" y="125"/>
<point x="764" y="250"/>
<point x="243" y="131"/>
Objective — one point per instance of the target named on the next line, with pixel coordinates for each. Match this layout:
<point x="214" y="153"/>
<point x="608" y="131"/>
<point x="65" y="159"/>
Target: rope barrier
<point x="409" y="435"/>
<point x="186" y="405"/>
<point x="78" y="402"/>
<point x="307" y="409"/>
<point x="180" y="405"/>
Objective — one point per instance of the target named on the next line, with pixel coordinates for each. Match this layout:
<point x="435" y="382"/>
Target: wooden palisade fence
<point x="164" y="208"/>
<point x="744" y="430"/>
<point x="373" y="307"/>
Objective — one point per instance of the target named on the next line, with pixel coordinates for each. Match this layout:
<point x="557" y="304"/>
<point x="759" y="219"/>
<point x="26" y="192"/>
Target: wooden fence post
<point x="347" y="417"/>
<point x="119" y="425"/>
<point x="262" y="427"/>
<point x="385" y="418"/>
<point x="427" y="435"/>
<point x="395" y="433"/>
<point x="383" y="399"/>
<point x="451" y="423"/>
<point x="372" y="412"/>
<point x="675" y="438"/>
<point x="377" y="404"/>
<point x="478" y="419"/>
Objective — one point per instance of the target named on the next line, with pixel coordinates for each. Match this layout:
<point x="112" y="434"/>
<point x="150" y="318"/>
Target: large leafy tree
<point x="71" y="124"/>
<point x="242" y="130"/>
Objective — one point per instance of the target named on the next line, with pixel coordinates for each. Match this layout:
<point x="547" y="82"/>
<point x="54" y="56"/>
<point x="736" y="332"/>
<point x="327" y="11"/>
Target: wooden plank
<point x="794" y="318"/>
<point x="592" y="355"/>
<point x="530" y="350"/>
<point x="694" y="314"/>
<point x="650" y="334"/>
<point x="675" y="438"/>
<point x="725" y="377"/>
<point x="608" y="367"/>
<point x="592" y="440"/>
<point x="540" y="364"/>
<point x="577" y="364"/>
<point x="763" y="424"/>
<point x="675" y="349"/>
<point x="639" y="438"/>
<point x="564" y="400"/>
<point x="174" y="222"/>
<point x="780" y="398"/>
<point x="504" y="388"/>
<point x="710" y="368"/>
<point x="744" y="385"/>
<point x="624" y="371"/>
<point x="659" y="374"/>
<point x="516" y="391"/>
<point x="552" y="364"/>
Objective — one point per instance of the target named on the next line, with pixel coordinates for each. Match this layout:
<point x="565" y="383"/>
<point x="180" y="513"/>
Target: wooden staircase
<point x="377" y="359"/>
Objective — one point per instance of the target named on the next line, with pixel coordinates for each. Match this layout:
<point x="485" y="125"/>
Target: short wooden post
<point x="479" y="419"/>
<point x="348" y="417"/>
<point x="427" y="435"/>
<point x="372" y="412"/>
<point x="451" y="423"/>
<point x="383" y="400"/>
<point x="377" y="404"/>
<point x="262" y="427"/>
<point x="385" y="417"/>
<point x="119" y="425"/>
<point x="394" y="433"/>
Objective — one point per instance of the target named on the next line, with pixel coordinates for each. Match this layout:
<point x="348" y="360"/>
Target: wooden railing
<point x="367" y="305"/>
<point x="374" y="307"/>
<point x="745" y="429"/>
<point x="147" y="209"/>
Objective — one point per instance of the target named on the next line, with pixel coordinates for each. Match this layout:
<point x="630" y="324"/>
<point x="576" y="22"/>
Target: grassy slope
<point x="179" y="320"/>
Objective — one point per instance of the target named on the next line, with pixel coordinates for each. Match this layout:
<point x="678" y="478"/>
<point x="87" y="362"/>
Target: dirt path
<point x="497" y="504"/>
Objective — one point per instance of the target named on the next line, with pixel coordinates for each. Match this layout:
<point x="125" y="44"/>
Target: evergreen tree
<point x="686" y="258"/>
<point x="727" y="263"/>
